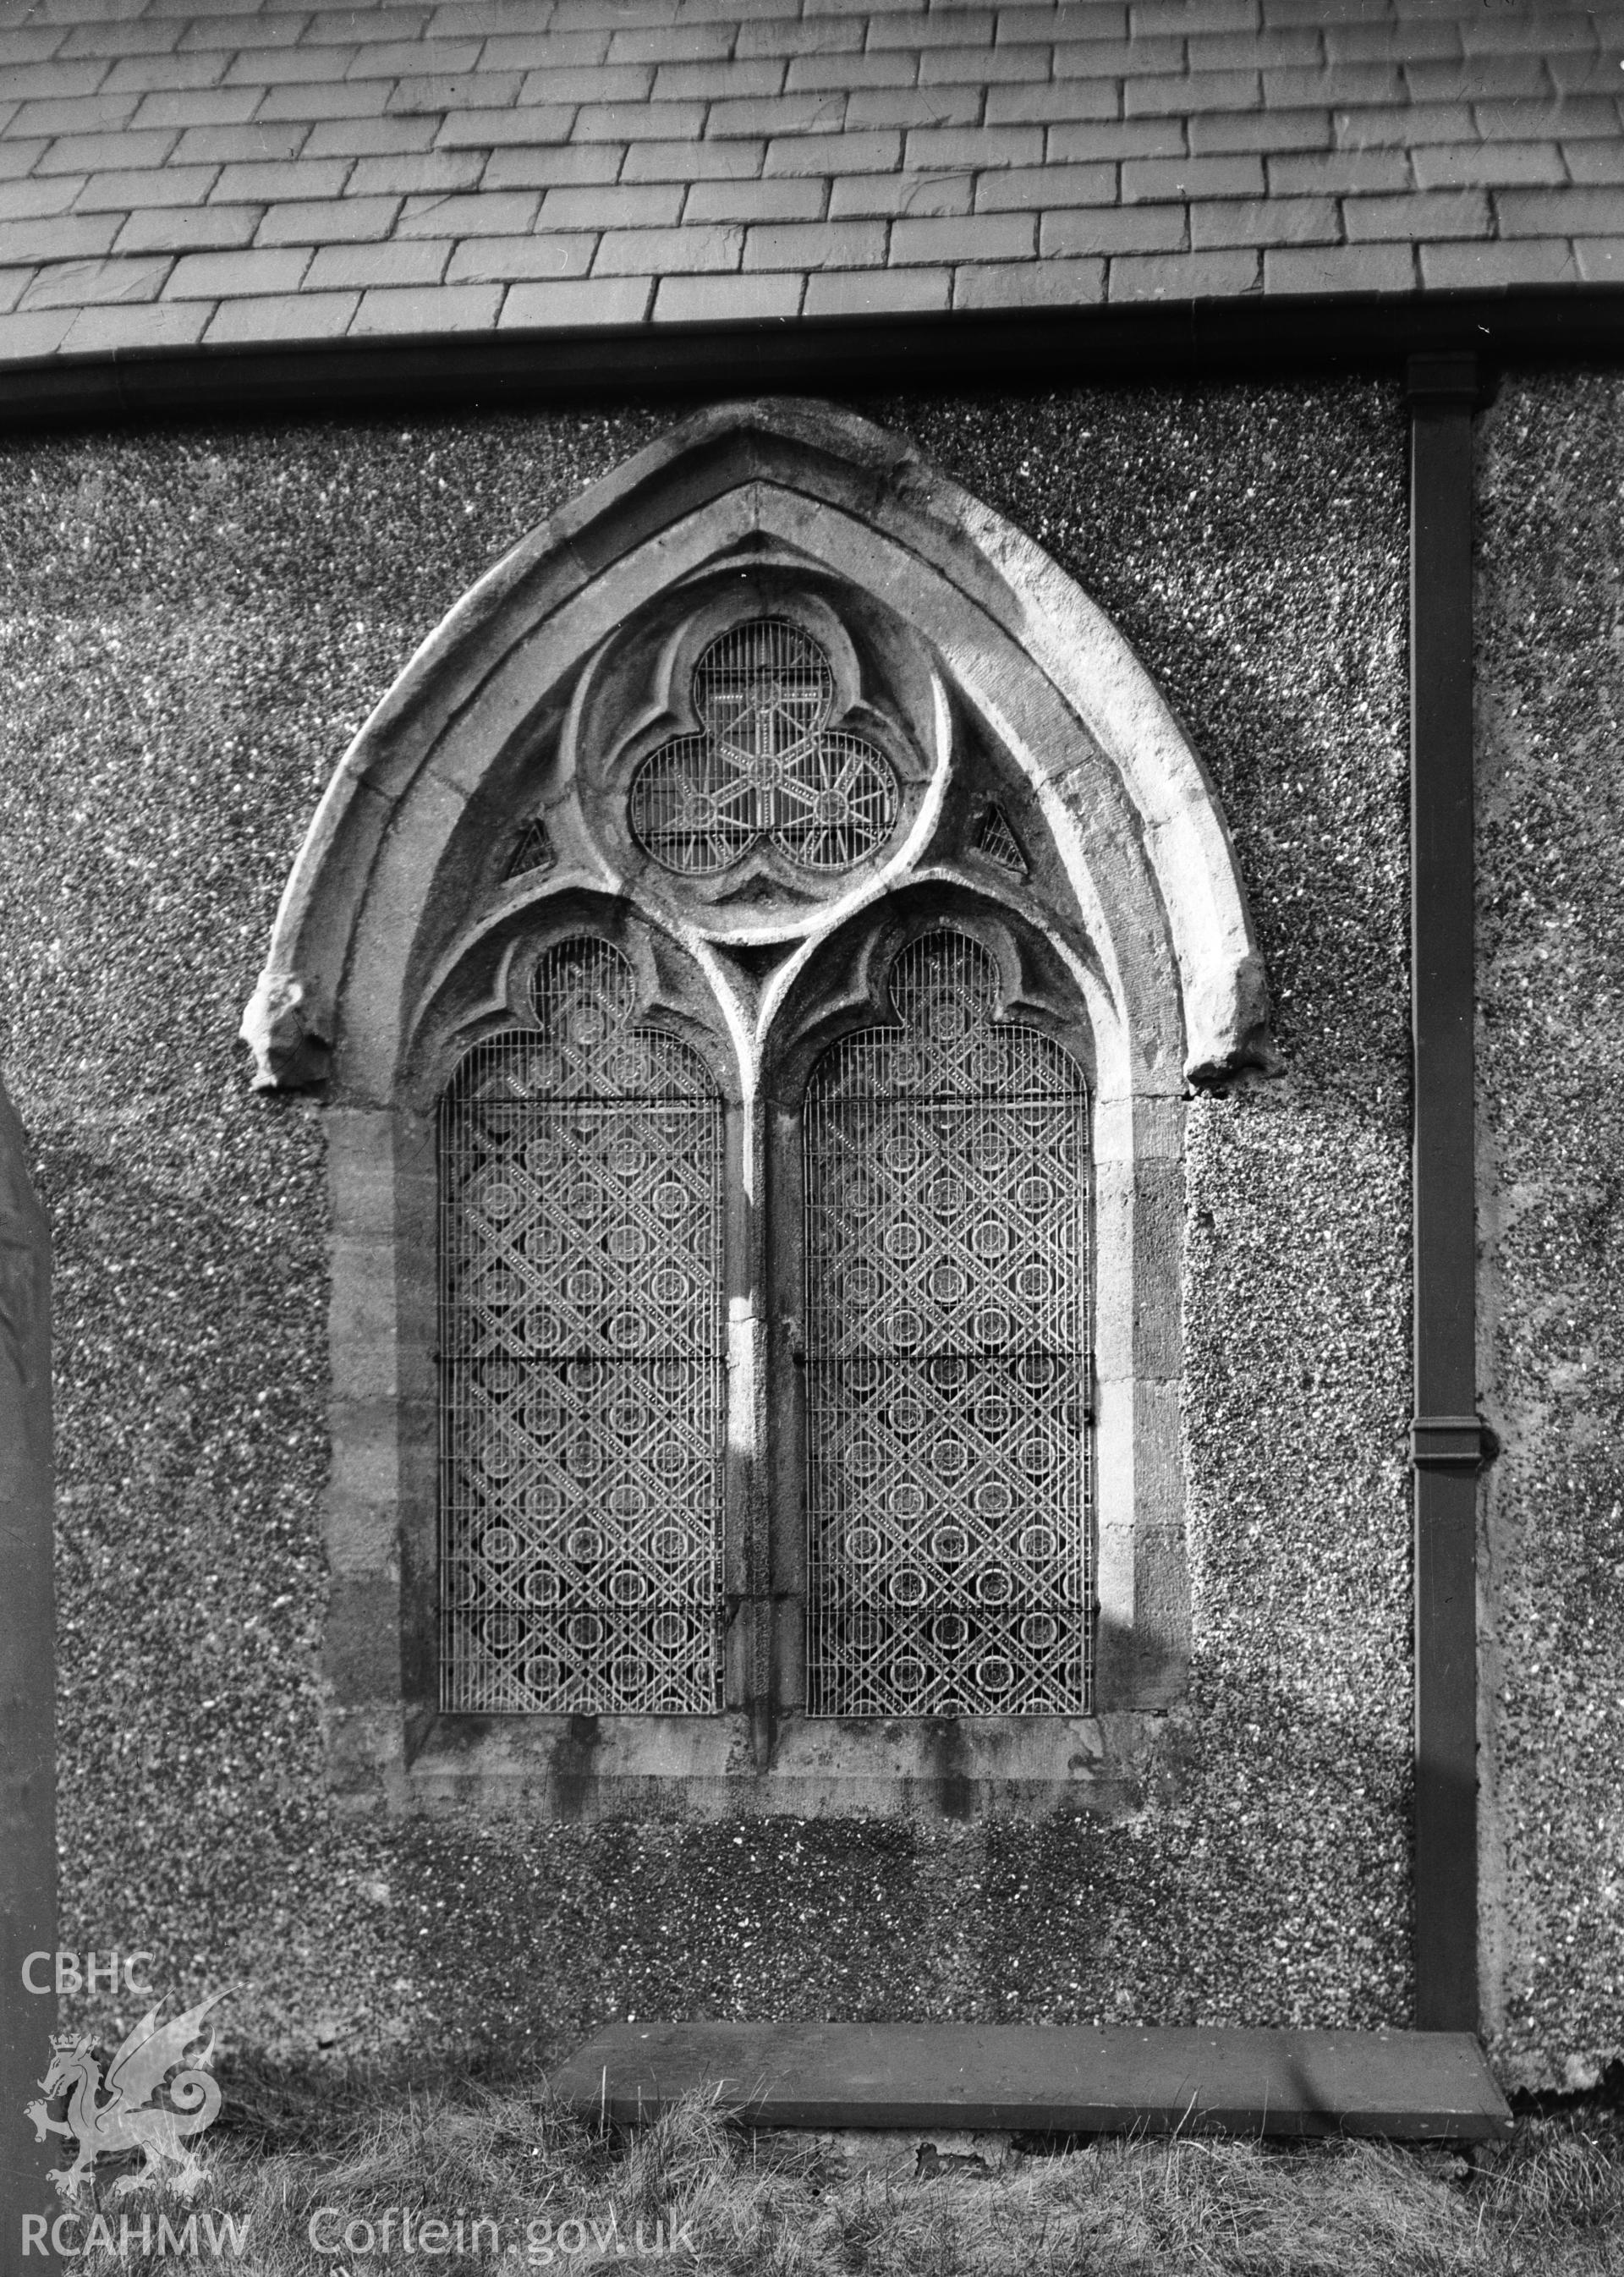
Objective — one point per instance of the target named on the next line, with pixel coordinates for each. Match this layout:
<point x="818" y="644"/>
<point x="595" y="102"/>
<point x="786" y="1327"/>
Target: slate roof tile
<point x="224" y="275"/>
<point x="39" y="334"/>
<point x="1028" y="283"/>
<point x="972" y="237"/>
<point x="875" y="292"/>
<point x="488" y="129"/>
<point x="406" y="261"/>
<point x="913" y="106"/>
<point x="248" y="169"/>
<point x="1032" y="187"/>
<point x="729" y="299"/>
<point x="494" y="213"/>
<point x="1348" y="173"/>
<point x="664" y="43"/>
<point x="210" y="106"/>
<point x="357" y="138"/>
<point x="973" y="67"/>
<point x="25" y="43"/>
<point x="187" y="229"/>
<point x="284" y="178"/>
<point x="544" y="50"/>
<point x="787" y="198"/>
<point x="436" y="308"/>
<point x="588" y="300"/>
<point x="201" y="145"/>
<point x="1525" y="261"/>
<point x="48" y="194"/>
<point x="111" y="37"/>
<point x="1060" y="21"/>
<point x="1182" y="275"/>
<point x="71" y="114"/>
<point x="912" y="193"/>
<point x="324" y="221"/>
<point x="623" y="205"/>
<point x="57" y="237"/>
<point x="1116" y="138"/>
<point x="166" y="73"/>
<point x="1061" y="99"/>
<point x="584" y="83"/>
<point x="689" y="162"/>
<point x="784" y="35"/>
<point x="312" y="100"/>
<point x="626" y="121"/>
<point x="79" y="284"/>
<point x="482" y="260"/>
<point x="519" y="168"/>
<point x="1452" y="164"/>
<point x="1594" y="162"/>
<point x="1113" y="228"/>
<point x="667" y="252"/>
<point x="871" y="151"/>
<point x="1601" y="260"/>
<point x="103" y="329"/>
<point x="1339" y="269"/>
<point x="283" y="316"/>
<point x="1237" y="174"/>
<point x="17" y="159"/>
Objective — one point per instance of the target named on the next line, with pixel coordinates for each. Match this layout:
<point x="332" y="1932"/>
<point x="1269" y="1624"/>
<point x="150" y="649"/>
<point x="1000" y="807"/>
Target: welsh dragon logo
<point x="129" y="2120"/>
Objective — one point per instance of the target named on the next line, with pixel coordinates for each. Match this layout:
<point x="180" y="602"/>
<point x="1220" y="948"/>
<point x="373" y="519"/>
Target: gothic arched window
<point x="947" y="1363"/>
<point x="930" y="1555"/>
<point x="766" y="937"/>
<point x="583" y="1359"/>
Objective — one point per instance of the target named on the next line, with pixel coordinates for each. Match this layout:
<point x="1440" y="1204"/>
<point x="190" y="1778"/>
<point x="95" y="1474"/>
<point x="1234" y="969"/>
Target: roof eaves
<point x="1166" y="340"/>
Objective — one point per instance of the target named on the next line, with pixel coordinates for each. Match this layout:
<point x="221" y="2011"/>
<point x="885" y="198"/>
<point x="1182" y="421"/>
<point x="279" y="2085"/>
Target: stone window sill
<point x="579" y="1767"/>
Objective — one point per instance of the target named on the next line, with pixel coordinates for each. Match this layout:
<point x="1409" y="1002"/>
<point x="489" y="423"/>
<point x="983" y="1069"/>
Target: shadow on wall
<point x="1228" y="1893"/>
<point x="1258" y="1872"/>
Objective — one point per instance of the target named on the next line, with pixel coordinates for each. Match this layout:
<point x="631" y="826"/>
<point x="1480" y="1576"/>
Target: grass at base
<point x="693" y="2193"/>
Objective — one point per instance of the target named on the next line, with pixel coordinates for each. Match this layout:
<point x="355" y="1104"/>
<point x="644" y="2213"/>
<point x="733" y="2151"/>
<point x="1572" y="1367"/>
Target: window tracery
<point x="998" y="841"/>
<point x="766" y="768"/>
<point x="943" y="1176"/>
<point x="533" y="849"/>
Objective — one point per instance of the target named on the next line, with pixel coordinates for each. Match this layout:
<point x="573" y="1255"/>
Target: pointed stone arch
<point x="1132" y="806"/>
<point x="381" y="930"/>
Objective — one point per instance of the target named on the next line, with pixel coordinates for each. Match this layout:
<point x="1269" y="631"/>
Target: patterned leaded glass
<point x="767" y="769"/>
<point x="582" y="1360"/>
<point x="947" y="1213"/>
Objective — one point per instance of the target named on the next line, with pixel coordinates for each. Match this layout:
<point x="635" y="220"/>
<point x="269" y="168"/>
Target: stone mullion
<point x="751" y="1461"/>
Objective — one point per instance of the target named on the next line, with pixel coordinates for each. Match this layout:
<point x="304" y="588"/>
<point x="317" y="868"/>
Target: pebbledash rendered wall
<point x="193" y="624"/>
<point x="1551" y="1176"/>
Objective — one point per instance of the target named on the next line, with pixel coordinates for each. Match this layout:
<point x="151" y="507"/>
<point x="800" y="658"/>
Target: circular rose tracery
<point x="767" y="769"/>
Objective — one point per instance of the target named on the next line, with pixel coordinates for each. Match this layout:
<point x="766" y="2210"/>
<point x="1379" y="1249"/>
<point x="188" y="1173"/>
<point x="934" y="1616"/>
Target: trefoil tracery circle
<point x="766" y="768"/>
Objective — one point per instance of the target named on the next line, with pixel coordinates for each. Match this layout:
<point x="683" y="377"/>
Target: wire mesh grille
<point x="582" y="1360"/>
<point x="947" y="1215"/>
<point x="767" y="767"/>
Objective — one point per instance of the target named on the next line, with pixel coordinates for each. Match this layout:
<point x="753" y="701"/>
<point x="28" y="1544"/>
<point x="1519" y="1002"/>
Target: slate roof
<point x="172" y="176"/>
